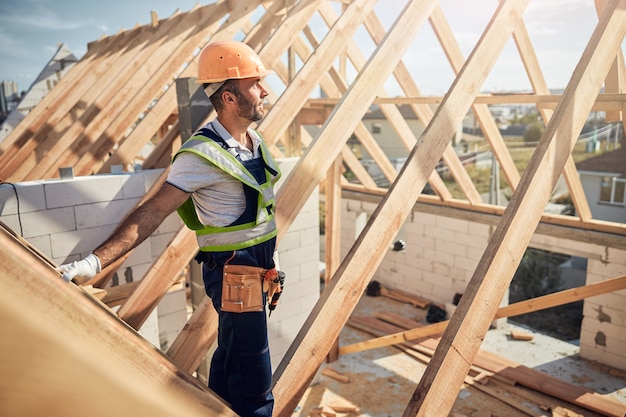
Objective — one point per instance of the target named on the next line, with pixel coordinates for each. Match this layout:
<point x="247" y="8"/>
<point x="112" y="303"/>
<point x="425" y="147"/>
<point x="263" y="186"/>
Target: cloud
<point x="36" y="15"/>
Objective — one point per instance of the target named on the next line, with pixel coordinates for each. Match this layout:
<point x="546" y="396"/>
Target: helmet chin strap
<point x="213" y="87"/>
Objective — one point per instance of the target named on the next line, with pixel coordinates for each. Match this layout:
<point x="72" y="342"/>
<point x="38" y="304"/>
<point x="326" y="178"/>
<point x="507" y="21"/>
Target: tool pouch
<point x="242" y="288"/>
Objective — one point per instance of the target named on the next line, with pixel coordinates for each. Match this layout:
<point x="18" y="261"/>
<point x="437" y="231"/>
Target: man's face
<point x="250" y="94"/>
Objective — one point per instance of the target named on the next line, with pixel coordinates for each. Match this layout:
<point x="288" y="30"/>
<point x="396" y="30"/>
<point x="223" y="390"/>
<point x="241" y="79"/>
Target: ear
<point x="228" y="97"/>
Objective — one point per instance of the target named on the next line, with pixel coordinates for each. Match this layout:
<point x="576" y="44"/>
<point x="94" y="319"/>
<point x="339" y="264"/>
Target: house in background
<point x="62" y="60"/>
<point x="604" y="180"/>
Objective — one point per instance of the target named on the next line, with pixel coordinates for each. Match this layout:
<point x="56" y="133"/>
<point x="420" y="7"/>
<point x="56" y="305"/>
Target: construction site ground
<point x="382" y="381"/>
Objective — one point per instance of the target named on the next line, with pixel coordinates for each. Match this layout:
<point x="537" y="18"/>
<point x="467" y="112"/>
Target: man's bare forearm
<point x="129" y="234"/>
<point x="140" y="224"/>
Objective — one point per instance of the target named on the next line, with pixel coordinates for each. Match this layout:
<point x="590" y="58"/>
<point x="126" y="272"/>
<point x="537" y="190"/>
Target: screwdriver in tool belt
<point x="276" y="289"/>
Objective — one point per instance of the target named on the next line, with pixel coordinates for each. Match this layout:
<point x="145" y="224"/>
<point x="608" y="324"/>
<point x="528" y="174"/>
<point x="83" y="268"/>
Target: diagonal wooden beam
<point x="515" y="309"/>
<point x="616" y="79"/>
<point x="570" y="173"/>
<point x="318" y="333"/>
<point x="192" y="343"/>
<point x="100" y="102"/>
<point x="285" y="110"/>
<point x="202" y="329"/>
<point x="483" y="115"/>
<point x="103" y="134"/>
<point x="67" y="107"/>
<point x="443" y="377"/>
<point x="159" y="278"/>
<point x="55" y="340"/>
<point x="166" y="104"/>
<point x="390" y="111"/>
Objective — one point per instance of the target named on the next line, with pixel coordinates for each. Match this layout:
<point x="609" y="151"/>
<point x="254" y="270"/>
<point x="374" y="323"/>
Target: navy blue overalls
<point x="241" y="371"/>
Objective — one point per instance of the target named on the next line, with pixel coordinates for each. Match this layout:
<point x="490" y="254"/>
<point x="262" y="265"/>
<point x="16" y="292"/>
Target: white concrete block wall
<point x="66" y="219"/>
<point x="298" y="256"/>
<point x="440" y="257"/>
<point x="442" y="254"/>
<point x="603" y="333"/>
<point x="172" y="316"/>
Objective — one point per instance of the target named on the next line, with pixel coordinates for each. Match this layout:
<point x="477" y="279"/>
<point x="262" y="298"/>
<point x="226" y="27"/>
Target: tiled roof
<point x="613" y="162"/>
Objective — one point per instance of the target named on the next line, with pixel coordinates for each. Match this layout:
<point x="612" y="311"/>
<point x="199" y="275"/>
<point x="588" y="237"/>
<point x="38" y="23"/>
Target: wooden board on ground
<point x="406" y="297"/>
<point x="514" y="371"/>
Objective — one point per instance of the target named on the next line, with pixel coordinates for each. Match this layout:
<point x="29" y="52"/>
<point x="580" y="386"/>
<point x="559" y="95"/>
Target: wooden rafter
<point x="312" y="344"/>
<point x="90" y="112"/>
<point x="444" y="375"/>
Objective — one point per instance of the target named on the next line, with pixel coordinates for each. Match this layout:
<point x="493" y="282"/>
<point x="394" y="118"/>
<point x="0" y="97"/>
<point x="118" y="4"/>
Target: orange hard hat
<point x="224" y="60"/>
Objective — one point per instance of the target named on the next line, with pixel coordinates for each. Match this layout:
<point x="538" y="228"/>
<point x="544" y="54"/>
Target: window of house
<point x="376" y="127"/>
<point x="612" y="190"/>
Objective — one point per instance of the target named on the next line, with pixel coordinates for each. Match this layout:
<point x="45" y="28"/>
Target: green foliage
<point x="533" y="132"/>
<point x="538" y="274"/>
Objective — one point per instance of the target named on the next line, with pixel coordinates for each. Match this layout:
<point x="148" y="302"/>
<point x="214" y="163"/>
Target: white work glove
<point x="87" y="267"/>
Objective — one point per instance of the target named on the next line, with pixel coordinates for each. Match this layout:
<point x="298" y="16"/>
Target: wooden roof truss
<point x="120" y="95"/>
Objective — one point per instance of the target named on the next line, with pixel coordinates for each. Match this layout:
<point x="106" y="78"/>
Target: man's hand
<point x="87" y="267"/>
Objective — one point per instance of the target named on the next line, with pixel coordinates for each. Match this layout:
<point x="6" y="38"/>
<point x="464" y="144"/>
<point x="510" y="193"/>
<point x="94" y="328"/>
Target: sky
<point x="31" y="30"/>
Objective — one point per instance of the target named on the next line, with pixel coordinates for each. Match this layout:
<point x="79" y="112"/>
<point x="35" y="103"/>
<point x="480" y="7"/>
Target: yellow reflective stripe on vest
<point x="227" y="238"/>
<point x="238" y="236"/>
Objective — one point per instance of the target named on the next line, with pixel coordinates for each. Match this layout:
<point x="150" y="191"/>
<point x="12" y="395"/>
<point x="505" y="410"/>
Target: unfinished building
<point x="102" y="139"/>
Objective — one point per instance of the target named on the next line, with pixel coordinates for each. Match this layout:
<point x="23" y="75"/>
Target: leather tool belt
<point x="242" y="288"/>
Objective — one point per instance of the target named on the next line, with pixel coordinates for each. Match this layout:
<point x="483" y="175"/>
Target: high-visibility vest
<point x="234" y="236"/>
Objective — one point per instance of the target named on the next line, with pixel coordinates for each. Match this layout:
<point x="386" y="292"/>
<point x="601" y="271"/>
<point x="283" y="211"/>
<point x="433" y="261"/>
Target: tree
<point x="538" y="274"/>
<point x="534" y="132"/>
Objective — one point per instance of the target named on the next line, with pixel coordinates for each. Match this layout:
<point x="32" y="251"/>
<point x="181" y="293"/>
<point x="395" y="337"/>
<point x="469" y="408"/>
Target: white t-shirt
<point x="218" y="197"/>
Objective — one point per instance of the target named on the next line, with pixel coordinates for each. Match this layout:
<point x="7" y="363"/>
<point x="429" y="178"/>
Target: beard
<point x="248" y="109"/>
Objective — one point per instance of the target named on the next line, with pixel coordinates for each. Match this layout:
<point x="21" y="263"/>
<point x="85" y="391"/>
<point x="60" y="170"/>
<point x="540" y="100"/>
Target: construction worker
<point x="221" y="182"/>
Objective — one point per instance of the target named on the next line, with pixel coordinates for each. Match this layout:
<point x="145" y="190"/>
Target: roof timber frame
<point x="351" y="278"/>
<point x="271" y="36"/>
<point x="512" y="235"/>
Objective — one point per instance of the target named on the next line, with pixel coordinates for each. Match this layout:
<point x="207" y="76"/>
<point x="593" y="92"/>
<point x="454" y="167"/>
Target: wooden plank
<point x="40" y="115"/>
<point x="312" y="343"/>
<point x="67" y="102"/>
<point x="604" y="101"/>
<point x="557" y="225"/>
<point x="501" y="368"/>
<point x="63" y="328"/>
<point x="406" y="297"/>
<point x="504" y="397"/>
<point x="161" y="58"/>
<point x="159" y="278"/>
<point x="332" y="233"/>
<point x="295" y="96"/>
<point x="520" y="335"/>
<point x="547" y="384"/>
<point x="439" y="384"/>
<point x="529" y="58"/>
<point x="616" y="78"/>
<point x="116" y="295"/>
<point x="88" y="108"/>
<point x="196" y="337"/>
<point x="481" y="111"/>
<point x="331" y="373"/>
<point x="393" y="115"/>
<point x="521" y="307"/>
